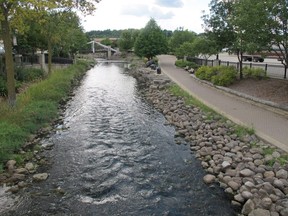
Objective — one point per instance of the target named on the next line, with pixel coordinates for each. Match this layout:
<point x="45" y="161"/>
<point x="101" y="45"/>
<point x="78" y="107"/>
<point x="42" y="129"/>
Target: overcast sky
<point x="169" y="14"/>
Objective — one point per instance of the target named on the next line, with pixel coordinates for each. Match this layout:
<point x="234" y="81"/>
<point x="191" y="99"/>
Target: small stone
<point x="259" y="212"/>
<point x="225" y="164"/>
<point x="278" y="184"/>
<point x="14" y="189"/>
<point x="234" y="185"/>
<point x="248" y="207"/>
<point x="266" y="203"/>
<point x="239" y="198"/>
<point x="246" y="173"/>
<point x="40" y="177"/>
<point x="247" y="195"/>
<point x="208" y="179"/>
<point x="282" y="174"/>
<point x="30" y="167"/>
<point x="269" y="174"/>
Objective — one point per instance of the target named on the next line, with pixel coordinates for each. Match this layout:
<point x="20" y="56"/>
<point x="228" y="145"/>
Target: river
<point x="114" y="155"/>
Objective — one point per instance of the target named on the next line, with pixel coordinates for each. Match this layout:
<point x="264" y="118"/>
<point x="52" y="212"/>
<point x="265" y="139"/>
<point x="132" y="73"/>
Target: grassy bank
<point x="36" y="108"/>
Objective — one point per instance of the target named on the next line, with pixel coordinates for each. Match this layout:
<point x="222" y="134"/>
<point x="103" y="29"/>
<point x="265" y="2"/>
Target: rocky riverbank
<point x="252" y="172"/>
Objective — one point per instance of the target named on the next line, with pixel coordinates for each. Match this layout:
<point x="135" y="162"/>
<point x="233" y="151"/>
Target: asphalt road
<point x="233" y="58"/>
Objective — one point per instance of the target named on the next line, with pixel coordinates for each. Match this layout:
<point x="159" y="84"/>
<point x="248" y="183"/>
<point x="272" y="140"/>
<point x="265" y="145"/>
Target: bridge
<point x="105" y="49"/>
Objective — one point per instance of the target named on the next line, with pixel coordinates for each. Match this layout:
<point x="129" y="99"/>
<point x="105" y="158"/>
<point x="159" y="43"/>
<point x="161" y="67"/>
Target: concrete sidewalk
<point x="269" y="123"/>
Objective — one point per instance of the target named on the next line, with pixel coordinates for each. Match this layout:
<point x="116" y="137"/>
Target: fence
<point x="273" y="71"/>
<point x="34" y="59"/>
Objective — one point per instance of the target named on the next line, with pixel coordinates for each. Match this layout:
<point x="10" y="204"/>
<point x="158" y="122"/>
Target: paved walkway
<point x="269" y="124"/>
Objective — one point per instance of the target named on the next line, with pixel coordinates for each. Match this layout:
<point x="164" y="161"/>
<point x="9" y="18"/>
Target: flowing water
<point x="114" y="155"/>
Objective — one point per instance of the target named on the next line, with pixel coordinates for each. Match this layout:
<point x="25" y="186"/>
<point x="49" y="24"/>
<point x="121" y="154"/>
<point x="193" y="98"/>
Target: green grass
<point x="241" y="131"/>
<point x="189" y="100"/>
<point x="35" y="108"/>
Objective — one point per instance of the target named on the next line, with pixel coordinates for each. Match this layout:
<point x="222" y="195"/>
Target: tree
<point x="179" y="37"/>
<point x="11" y="16"/>
<point x="185" y="49"/>
<point x="127" y="39"/>
<point x="276" y="28"/>
<point x="151" y="41"/>
<point x="62" y="33"/>
<point x="239" y="25"/>
<point x="205" y="47"/>
<point x="250" y="33"/>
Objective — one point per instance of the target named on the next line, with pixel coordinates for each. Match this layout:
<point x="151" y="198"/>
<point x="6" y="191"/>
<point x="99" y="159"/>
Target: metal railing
<point x="272" y="70"/>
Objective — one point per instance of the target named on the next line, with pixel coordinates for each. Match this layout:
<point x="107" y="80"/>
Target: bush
<point x="219" y="75"/>
<point x="206" y="72"/>
<point x="225" y="77"/>
<point x="28" y="74"/>
<point x="257" y="73"/>
<point x="183" y="64"/>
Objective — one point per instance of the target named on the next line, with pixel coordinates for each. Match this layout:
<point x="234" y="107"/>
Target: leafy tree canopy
<point x="179" y="37"/>
<point x="151" y="41"/>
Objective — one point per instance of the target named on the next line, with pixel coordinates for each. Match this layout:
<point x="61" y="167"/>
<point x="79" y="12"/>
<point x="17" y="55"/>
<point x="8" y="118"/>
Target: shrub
<point x="206" y="72"/>
<point x="28" y="74"/>
<point x="219" y="75"/>
<point x="225" y="77"/>
<point x="182" y="64"/>
<point x="257" y="73"/>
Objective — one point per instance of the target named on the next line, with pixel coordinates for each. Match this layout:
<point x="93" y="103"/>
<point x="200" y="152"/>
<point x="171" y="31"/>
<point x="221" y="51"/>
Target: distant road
<point x="233" y="58"/>
<point x="275" y="68"/>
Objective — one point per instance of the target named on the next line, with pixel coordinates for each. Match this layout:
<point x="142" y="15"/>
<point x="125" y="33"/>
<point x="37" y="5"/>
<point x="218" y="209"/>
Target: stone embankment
<point x="250" y="171"/>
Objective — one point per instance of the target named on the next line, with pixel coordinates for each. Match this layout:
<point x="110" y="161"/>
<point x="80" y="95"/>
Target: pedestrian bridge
<point x="101" y="50"/>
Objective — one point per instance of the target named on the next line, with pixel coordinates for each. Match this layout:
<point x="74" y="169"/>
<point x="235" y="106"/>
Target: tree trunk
<point x="9" y="63"/>
<point x="49" y="57"/>
<point x="240" y="59"/>
<point x="241" y="66"/>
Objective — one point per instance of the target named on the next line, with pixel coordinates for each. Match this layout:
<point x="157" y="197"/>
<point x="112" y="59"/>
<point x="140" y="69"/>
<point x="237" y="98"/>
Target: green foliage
<point x="36" y="107"/>
<point x="108" y="33"/>
<point x="183" y="64"/>
<point x="206" y="72"/>
<point x="106" y="42"/>
<point x="219" y="75"/>
<point x="151" y="41"/>
<point x="205" y="47"/>
<point x="189" y="100"/>
<point x="225" y="77"/>
<point x="258" y="73"/>
<point x="179" y="37"/>
<point x="11" y="138"/>
<point x="28" y="74"/>
<point x="242" y="131"/>
<point x="185" y="49"/>
<point x="127" y="39"/>
<point x="3" y="87"/>
<point x="35" y="115"/>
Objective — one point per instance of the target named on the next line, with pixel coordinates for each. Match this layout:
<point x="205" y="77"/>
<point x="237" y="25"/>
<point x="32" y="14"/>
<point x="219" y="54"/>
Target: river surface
<point x="114" y="155"/>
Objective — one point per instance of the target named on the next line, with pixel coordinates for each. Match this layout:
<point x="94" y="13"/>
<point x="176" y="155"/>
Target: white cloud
<point x="146" y="11"/>
<point x="124" y="14"/>
<point x="170" y="3"/>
